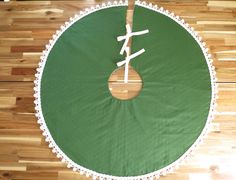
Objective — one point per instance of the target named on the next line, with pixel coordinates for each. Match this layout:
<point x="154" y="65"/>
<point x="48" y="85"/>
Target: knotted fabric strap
<point x="129" y="34"/>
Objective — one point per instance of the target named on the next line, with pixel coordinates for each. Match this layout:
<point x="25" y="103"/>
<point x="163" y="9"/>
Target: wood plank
<point x="224" y="4"/>
<point x="70" y="176"/>
<point x="12" y="167"/>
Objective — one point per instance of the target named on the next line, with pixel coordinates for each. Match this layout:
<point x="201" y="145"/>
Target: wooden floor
<point x="25" y="28"/>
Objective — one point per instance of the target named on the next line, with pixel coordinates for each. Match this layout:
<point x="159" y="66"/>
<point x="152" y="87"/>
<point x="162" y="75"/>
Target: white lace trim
<point x="59" y="153"/>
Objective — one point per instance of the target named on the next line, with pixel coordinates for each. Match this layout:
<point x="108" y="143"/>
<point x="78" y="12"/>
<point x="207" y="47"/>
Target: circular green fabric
<point x="125" y="137"/>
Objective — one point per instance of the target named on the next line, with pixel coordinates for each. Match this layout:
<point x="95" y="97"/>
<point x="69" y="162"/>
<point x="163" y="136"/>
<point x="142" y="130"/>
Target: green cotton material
<point x="125" y="137"/>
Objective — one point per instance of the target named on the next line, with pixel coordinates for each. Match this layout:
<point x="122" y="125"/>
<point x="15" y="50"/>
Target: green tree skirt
<point x="125" y="137"/>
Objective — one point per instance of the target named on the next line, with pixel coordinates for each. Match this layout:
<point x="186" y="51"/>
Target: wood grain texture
<point x="26" y="27"/>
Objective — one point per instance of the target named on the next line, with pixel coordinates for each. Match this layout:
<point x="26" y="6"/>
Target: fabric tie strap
<point x="129" y="34"/>
<point x="127" y="60"/>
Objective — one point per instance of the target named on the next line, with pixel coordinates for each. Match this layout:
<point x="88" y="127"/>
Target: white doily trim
<point x="90" y="173"/>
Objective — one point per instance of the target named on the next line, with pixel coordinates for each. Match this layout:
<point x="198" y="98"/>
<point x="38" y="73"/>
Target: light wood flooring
<point x="26" y="27"/>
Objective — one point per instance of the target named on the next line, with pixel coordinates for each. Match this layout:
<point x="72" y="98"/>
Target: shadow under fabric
<point x="125" y="137"/>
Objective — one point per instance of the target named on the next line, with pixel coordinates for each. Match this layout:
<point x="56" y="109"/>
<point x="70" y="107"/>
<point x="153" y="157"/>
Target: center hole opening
<point x="121" y="90"/>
